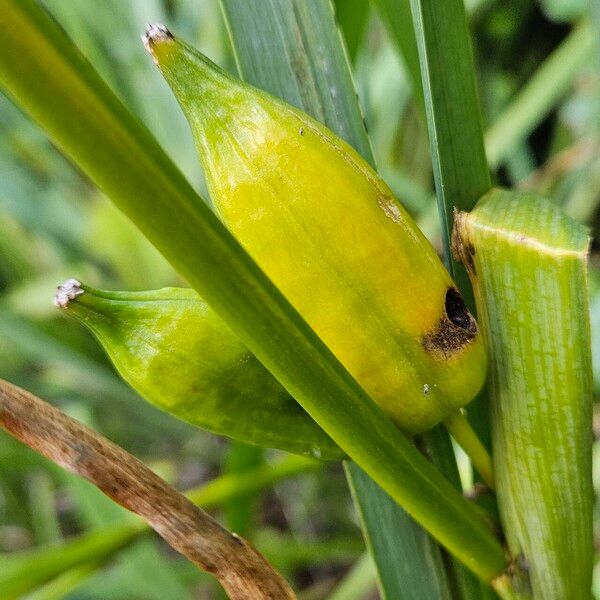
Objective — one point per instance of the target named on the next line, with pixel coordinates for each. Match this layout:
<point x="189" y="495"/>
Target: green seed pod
<point x="329" y="233"/>
<point x="528" y="265"/>
<point x="178" y="354"/>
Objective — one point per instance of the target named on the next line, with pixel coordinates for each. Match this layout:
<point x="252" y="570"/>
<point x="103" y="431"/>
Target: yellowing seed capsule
<point x="330" y="234"/>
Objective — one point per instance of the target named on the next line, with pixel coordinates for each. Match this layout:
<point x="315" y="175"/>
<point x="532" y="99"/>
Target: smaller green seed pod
<point x="180" y="356"/>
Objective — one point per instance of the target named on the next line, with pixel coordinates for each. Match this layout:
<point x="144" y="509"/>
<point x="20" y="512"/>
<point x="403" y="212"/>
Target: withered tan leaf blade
<point x="240" y="568"/>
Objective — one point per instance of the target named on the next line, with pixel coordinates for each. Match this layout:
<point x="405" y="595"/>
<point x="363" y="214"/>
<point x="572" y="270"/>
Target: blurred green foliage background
<point x="540" y="92"/>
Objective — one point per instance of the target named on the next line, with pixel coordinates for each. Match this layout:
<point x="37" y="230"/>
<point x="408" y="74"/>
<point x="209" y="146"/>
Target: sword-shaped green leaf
<point x="271" y="41"/>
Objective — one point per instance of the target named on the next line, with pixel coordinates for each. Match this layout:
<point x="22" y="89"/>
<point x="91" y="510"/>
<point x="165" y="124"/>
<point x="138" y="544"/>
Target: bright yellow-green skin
<point x="180" y="356"/>
<point x="331" y="236"/>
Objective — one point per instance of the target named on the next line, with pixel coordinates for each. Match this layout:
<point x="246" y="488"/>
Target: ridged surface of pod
<point x="528" y="265"/>
<point x="331" y="235"/>
<point x="179" y="355"/>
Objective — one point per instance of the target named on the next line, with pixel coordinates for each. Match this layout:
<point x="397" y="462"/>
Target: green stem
<point x="528" y="264"/>
<point x="462" y="432"/>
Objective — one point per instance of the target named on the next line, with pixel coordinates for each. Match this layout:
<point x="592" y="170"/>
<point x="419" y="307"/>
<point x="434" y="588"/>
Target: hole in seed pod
<point x="457" y="311"/>
<point x="455" y="329"/>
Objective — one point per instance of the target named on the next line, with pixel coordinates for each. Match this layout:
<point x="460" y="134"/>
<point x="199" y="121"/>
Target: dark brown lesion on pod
<point x="455" y="330"/>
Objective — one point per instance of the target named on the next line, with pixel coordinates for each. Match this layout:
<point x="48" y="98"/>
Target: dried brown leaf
<point x="241" y="569"/>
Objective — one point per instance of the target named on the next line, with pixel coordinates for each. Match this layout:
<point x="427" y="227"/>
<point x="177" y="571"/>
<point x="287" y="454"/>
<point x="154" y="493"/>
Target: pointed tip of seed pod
<point x="67" y="291"/>
<point x="155" y="33"/>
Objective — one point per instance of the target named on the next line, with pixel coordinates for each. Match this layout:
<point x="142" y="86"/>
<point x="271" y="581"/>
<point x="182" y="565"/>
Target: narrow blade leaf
<point x="453" y="113"/>
<point x="270" y="41"/>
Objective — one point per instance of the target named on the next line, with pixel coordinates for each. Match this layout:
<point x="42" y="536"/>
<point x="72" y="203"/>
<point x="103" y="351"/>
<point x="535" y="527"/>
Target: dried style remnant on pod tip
<point x="67" y="291"/>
